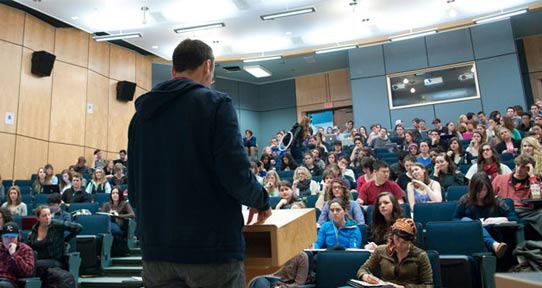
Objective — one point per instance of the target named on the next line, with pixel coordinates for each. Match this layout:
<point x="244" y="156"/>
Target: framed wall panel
<point x="96" y="121"/>
<point x="68" y="104"/>
<point x="61" y="156"/>
<point x="122" y="65"/>
<point x="34" y="101"/>
<point x="38" y="35"/>
<point x="143" y="72"/>
<point x="98" y="56"/>
<point x="311" y="89"/>
<point x="12" y="23"/>
<point x="30" y="154"/>
<point x="339" y="85"/>
<point x="71" y="45"/>
<point x="6" y="155"/>
<point x="533" y="52"/>
<point x="10" y="57"/>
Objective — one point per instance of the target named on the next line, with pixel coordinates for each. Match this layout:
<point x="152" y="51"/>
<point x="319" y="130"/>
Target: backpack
<point x="60" y="278"/>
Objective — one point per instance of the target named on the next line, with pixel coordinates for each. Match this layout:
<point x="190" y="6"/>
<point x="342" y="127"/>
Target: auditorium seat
<point x="92" y="207"/>
<point x="21" y="183"/>
<point x="436" y="211"/>
<point x="454" y="193"/>
<point x="99" y="227"/>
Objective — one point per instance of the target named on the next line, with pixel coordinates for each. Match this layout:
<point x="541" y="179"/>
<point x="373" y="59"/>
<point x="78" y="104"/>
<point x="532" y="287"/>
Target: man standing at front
<point x="189" y="175"/>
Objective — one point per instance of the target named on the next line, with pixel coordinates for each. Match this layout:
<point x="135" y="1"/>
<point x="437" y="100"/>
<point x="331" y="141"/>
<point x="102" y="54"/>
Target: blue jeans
<point x="488" y="240"/>
<point x="177" y="275"/>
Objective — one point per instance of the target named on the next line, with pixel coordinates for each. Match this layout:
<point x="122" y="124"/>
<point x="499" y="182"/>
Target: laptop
<point x="48" y="189"/>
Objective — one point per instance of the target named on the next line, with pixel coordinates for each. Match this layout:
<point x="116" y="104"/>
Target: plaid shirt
<point x="18" y="265"/>
<point x="55" y="237"/>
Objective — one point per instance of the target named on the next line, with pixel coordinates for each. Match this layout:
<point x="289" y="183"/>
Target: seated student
<point x="99" y="183"/>
<point x="287" y="195"/>
<point x="424" y="156"/>
<point x="357" y="151"/>
<point x="308" y="162"/>
<point x="324" y="193"/>
<point x="340" y="230"/>
<point x="266" y="161"/>
<point x="489" y="162"/>
<point x="271" y="183"/>
<point x="370" y="190"/>
<point x="413" y="149"/>
<point x="37" y="186"/>
<point x="531" y="147"/>
<point x="14" y="204"/>
<point x="121" y="211"/>
<point x="368" y="172"/>
<point x="16" y="258"/>
<point x="404" y="178"/>
<point x="80" y="166"/>
<point x="5" y="216"/>
<point x="249" y="142"/>
<point x="75" y="194"/>
<point x="346" y="172"/>
<point x="387" y="210"/>
<point x="48" y="239"/>
<point x="99" y="160"/>
<point x="303" y="183"/>
<point x="446" y="173"/>
<point x="517" y="185"/>
<point x="50" y="177"/>
<point x="53" y="201"/>
<point x="422" y="189"/>
<point x="399" y="167"/>
<point x="458" y="154"/>
<point x="339" y="189"/>
<point x="118" y="177"/>
<point x="381" y="140"/>
<point x="287" y="162"/>
<point x="400" y="262"/>
<point x="508" y="144"/>
<point x="317" y="153"/>
<point x="109" y="169"/>
<point x="122" y="158"/>
<point x="480" y="204"/>
<point x="65" y="180"/>
<point x="337" y="148"/>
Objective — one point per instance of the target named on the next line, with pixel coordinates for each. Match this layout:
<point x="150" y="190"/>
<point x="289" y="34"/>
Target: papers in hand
<point x="361" y="284"/>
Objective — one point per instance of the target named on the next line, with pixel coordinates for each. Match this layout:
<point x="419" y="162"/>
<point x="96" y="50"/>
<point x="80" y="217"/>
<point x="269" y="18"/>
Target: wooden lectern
<point x="283" y="235"/>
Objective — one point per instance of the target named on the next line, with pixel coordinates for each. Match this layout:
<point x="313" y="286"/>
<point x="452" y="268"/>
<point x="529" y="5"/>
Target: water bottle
<point x="535" y="190"/>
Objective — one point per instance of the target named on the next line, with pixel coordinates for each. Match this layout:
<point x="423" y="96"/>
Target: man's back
<point x="188" y="175"/>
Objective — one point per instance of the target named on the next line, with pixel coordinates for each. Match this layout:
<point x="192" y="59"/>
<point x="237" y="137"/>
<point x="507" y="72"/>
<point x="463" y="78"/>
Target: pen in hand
<point x="369" y="278"/>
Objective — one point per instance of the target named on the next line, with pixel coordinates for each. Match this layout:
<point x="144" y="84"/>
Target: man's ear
<point x="173" y="72"/>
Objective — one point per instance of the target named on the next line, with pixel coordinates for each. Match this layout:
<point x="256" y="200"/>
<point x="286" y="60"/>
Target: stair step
<point x="126" y="271"/>
<point x="110" y="282"/>
<point x="127" y="261"/>
<point x="135" y="251"/>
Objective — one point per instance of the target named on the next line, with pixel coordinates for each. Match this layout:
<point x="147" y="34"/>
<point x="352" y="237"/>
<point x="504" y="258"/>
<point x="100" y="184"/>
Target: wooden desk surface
<point x="519" y="280"/>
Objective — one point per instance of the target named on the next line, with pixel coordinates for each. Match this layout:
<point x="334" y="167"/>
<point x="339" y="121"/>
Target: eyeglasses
<point x="486" y="149"/>
<point x="337" y="187"/>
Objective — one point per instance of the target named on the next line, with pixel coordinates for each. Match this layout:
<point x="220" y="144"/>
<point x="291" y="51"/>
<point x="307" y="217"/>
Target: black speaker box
<point x="125" y="90"/>
<point x="42" y="63"/>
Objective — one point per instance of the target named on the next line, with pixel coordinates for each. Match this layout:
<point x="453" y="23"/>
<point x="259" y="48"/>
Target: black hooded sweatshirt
<point x="189" y="175"/>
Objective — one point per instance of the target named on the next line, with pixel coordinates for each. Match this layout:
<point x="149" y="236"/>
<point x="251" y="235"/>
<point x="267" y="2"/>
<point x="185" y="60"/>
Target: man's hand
<point x="262" y="215"/>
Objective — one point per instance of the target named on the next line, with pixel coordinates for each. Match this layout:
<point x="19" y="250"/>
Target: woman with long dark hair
<point x="481" y="204"/>
<point x="385" y="212"/>
<point x="446" y="173"/>
<point x="489" y="162"/>
<point x="457" y="153"/>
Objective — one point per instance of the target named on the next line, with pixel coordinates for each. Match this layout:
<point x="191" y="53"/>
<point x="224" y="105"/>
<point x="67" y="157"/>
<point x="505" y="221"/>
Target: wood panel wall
<point x="533" y="53"/>
<point x="323" y="91"/>
<point x="51" y="123"/>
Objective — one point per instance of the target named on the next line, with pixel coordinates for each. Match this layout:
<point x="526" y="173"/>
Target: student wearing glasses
<point x="489" y="162"/>
<point x="339" y="189"/>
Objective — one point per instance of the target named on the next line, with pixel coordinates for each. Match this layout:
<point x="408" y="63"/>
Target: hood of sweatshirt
<point x="158" y="99"/>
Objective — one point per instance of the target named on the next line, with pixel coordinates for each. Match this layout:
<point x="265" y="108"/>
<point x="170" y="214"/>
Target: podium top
<point x="278" y="218"/>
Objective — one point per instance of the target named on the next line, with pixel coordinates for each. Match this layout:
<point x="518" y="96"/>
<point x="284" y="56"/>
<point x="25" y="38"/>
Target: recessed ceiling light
<point x="154" y="46"/>
<point x="117" y="36"/>
<point x="257" y="71"/>
<point x="278" y="57"/>
<point x="199" y="27"/>
<point x="288" y="13"/>
<point x="453" y="13"/>
<point x="335" y="49"/>
<point x="500" y="16"/>
<point x="413" y="35"/>
<point x="412" y="90"/>
<point x="75" y="17"/>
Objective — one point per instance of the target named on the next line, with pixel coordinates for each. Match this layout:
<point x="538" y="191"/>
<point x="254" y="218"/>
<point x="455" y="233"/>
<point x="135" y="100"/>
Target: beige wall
<point x="533" y="53"/>
<point x="51" y="121"/>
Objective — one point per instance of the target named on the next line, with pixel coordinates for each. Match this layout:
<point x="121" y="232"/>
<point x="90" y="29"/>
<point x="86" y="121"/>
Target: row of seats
<point x="41" y="199"/>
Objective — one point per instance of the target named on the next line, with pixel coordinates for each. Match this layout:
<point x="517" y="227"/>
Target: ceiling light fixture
<point x="117" y="36"/>
<point x="144" y="9"/>
<point x="200" y="27"/>
<point x="269" y="58"/>
<point x="500" y="16"/>
<point x="288" y="13"/>
<point x="257" y="71"/>
<point x="373" y="44"/>
<point x="413" y="35"/>
<point x="335" y="49"/>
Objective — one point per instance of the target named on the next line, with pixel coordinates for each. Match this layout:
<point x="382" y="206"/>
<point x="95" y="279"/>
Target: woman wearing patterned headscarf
<point x="400" y="262"/>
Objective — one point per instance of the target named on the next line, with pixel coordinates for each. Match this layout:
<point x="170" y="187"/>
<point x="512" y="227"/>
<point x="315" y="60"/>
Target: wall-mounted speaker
<point x="125" y="90"/>
<point x="42" y="63"/>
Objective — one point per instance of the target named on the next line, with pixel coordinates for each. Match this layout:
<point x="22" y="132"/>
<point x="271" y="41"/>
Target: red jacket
<point x="18" y="265"/>
<point x="502" y="185"/>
